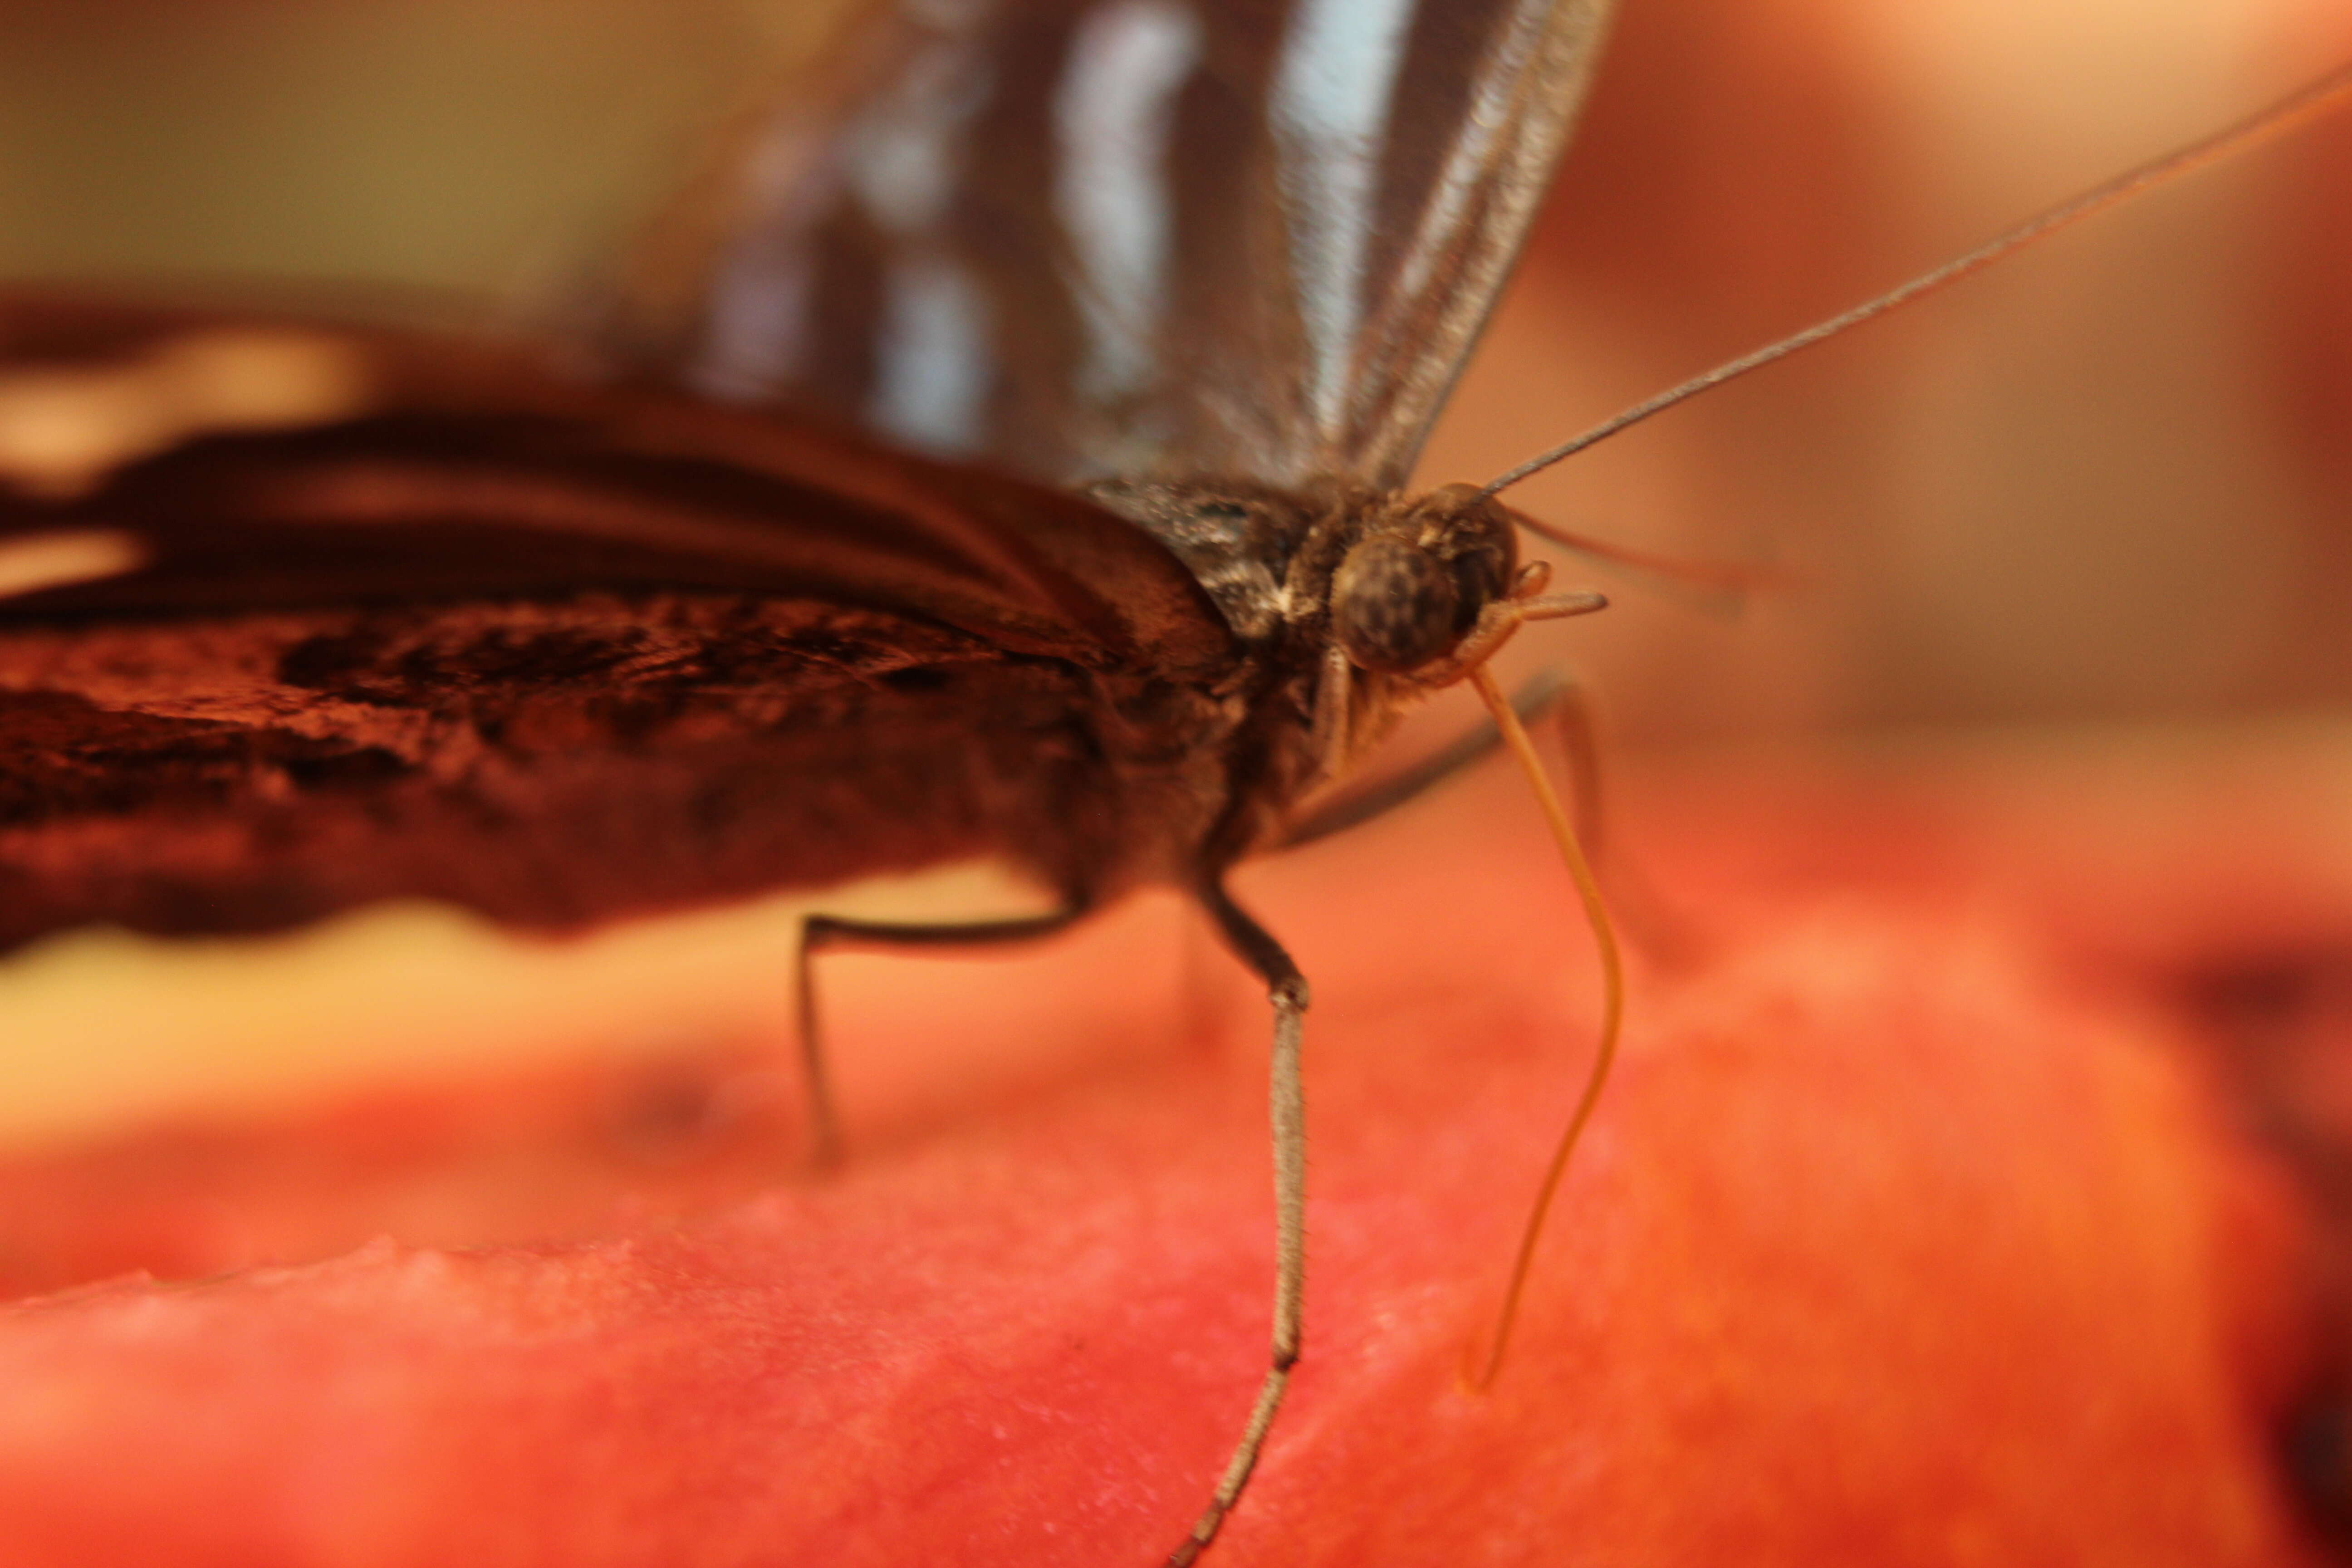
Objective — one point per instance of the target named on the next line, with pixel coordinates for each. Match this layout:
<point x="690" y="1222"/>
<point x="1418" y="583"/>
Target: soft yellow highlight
<point x="63" y="429"/>
<point x="106" y="1030"/>
<point x="36" y="561"/>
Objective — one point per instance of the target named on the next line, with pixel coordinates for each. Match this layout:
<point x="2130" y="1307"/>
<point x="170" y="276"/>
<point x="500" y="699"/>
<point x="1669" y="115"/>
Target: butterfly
<point x="1001" y="458"/>
<point x="965" y="472"/>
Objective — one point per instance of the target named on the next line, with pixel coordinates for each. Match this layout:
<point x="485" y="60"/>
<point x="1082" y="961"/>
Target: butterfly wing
<point x="257" y="461"/>
<point x="1089" y="238"/>
<point x="294" y="619"/>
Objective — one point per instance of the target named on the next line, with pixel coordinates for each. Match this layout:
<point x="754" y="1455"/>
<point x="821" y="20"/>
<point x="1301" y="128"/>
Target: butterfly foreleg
<point x="1286" y="989"/>
<point x="819" y="932"/>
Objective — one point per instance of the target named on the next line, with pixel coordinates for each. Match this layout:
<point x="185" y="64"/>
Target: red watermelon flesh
<point x="1912" y="1231"/>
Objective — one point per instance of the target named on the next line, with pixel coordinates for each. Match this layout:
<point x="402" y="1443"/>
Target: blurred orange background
<point x="2107" y="480"/>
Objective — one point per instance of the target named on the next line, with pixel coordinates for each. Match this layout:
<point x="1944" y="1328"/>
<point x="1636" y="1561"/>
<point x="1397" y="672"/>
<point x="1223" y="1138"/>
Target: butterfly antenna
<point x="1612" y="1010"/>
<point x="2260" y="126"/>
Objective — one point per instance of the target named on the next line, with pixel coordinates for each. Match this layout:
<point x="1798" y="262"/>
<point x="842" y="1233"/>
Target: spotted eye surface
<point x="1084" y="239"/>
<point x="1393" y="604"/>
<point x="1474" y="536"/>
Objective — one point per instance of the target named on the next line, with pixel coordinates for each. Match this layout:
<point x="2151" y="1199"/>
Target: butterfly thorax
<point x="1383" y="585"/>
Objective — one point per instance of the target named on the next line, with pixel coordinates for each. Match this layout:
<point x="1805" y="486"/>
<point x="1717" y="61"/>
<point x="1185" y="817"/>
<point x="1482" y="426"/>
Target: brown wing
<point x="293" y="620"/>
<point x="260" y="462"/>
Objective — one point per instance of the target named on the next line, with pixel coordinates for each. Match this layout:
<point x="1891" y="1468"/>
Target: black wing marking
<point x="1091" y="239"/>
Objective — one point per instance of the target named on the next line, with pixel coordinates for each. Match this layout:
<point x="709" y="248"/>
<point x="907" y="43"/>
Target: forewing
<point x="1089" y="238"/>
<point x="294" y="619"/>
<point x="251" y="461"/>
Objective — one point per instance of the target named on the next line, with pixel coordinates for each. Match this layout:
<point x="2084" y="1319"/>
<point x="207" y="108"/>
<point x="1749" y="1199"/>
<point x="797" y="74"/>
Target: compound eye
<point x="1393" y="607"/>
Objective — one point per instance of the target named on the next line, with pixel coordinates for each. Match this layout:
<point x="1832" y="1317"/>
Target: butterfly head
<point x="1414" y="586"/>
<point x="1434" y="586"/>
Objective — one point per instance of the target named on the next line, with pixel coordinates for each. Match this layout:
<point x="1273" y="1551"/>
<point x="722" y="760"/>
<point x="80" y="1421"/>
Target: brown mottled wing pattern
<point x="440" y="621"/>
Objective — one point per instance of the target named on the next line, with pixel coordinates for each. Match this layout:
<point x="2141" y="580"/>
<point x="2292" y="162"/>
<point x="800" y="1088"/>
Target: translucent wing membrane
<point x="1086" y="239"/>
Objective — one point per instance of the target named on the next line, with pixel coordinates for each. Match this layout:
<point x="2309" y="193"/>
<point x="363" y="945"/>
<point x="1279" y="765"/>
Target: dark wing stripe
<point x="1471" y="155"/>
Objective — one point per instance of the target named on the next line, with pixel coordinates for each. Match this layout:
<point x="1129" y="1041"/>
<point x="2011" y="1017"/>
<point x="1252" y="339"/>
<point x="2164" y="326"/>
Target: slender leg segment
<point x="819" y="932"/>
<point x="1287" y="988"/>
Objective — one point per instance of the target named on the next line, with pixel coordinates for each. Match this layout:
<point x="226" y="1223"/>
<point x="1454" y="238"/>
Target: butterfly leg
<point x="1287" y="988"/>
<point x="1549" y="694"/>
<point x="819" y="932"/>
